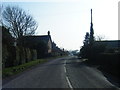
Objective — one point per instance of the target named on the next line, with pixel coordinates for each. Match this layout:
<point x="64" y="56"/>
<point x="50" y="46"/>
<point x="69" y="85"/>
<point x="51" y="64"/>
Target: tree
<point x="86" y="41"/>
<point x="91" y="31"/>
<point x="99" y="38"/>
<point x="19" y="22"/>
<point x="6" y="36"/>
<point x="85" y="49"/>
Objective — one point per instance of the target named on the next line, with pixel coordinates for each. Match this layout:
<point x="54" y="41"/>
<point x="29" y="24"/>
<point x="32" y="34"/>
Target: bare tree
<point x="18" y="21"/>
<point x="100" y="37"/>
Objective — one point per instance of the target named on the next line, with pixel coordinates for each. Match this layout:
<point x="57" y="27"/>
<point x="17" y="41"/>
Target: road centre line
<point x="68" y="81"/>
<point x="64" y="62"/>
<point x="64" y="69"/>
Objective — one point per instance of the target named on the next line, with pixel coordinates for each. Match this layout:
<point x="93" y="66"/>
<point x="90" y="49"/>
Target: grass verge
<point x="10" y="71"/>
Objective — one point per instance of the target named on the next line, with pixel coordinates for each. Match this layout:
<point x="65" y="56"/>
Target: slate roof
<point x="37" y="38"/>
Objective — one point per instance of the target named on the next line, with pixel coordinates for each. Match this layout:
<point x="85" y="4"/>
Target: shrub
<point x="109" y="62"/>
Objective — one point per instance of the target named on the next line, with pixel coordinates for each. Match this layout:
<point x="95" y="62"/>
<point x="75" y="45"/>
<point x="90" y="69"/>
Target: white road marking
<point x="68" y="81"/>
<point x="64" y="69"/>
<point x="64" y="66"/>
<point x="64" y="62"/>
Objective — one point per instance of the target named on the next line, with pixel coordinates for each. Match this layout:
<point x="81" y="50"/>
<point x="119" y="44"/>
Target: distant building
<point x="56" y="51"/>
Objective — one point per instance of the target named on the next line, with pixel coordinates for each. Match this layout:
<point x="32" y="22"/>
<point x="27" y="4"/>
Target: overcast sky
<point x="69" y="20"/>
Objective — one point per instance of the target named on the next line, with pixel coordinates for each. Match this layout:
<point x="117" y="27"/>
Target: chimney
<point x="48" y="32"/>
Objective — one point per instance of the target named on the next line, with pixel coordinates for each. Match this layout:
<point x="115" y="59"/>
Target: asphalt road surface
<point x="67" y="72"/>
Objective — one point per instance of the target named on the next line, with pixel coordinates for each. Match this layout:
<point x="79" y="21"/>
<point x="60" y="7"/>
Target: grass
<point x="10" y="71"/>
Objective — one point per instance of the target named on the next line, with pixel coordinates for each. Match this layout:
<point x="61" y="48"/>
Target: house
<point x="43" y="44"/>
<point x="31" y="41"/>
<point x="56" y="51"/>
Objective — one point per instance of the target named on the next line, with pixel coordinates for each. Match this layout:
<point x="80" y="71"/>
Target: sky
<point x="69" y="20"/>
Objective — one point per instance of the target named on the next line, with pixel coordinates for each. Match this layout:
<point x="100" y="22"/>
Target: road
<point x="67" y="72"/>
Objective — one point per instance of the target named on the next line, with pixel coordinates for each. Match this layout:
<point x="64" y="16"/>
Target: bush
<point x="14" y="56"/>
<point x="16" y="62"/>
<point x="109" y="62"/>
<point x="4" y="55"/>
<point x="34" y="54"/>
<point x="91" y="51"/>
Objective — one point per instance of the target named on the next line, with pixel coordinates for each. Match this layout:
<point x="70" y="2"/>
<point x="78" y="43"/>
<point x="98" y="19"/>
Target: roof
<point x="111" y="43"/>
<point x="37" y="38"/>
